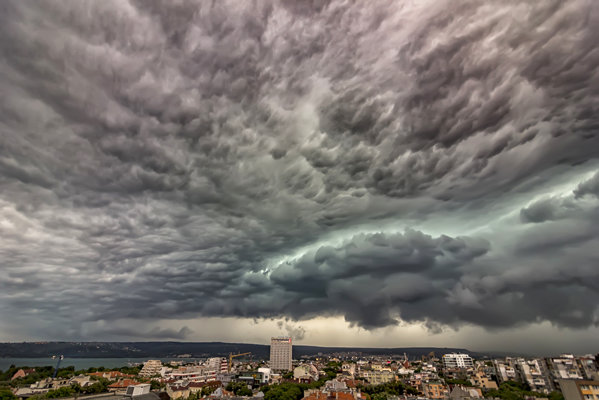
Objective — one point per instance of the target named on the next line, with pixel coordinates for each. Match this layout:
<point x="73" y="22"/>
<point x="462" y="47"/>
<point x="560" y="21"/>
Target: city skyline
<point x="371" y="174"/>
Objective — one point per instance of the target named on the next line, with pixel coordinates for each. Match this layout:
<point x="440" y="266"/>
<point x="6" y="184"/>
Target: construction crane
<point x="232" y="356"/>
<point x="57" y="365"/>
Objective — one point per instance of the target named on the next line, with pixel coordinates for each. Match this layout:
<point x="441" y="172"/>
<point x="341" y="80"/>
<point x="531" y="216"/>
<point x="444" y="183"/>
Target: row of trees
<point x="38" y="374"/>
<point x="511" y="390"/>
<point x="99" y="386"/>
<point x="381" y="392"/>
<point x="74" y="390"/>
<point x="44" y="372"/>
<point x="6" y="394"/>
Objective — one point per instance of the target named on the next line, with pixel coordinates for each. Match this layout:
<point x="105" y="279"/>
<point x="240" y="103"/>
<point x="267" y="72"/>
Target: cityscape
<point x="340" y="375"/>
<point x="299" y="199"/>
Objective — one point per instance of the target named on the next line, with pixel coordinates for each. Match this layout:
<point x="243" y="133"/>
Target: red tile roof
<point x="342" y="396"/>
<point x="124" y="383"/>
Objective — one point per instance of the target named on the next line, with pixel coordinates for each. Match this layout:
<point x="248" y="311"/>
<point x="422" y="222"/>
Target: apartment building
<point x="281" y="354"/>
<point x="579" y="389"/>
<point x="457" y="360"/>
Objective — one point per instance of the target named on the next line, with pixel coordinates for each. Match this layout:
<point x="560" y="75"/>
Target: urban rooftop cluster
<point x="340" y="376"/>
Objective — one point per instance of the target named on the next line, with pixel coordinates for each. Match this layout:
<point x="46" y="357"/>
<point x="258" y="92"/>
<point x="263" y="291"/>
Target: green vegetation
<point x="284" y="391"/>
<point x="239" y="388"/>
<point x="288" y="375"/>
<point x="39" y="374"/>
<point x="381" y="392"/>
<point x="511" y="390"/>
<point x="463" y="382"/>
<point x="207" y="390"/>
<point x="75" y="389"/>
<point x="100" y="385"/>
<point x="6" y="394"/>
<point x="157" y="385"/>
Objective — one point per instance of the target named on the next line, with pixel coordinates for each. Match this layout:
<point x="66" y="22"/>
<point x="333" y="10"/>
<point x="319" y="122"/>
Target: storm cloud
<point x="392" y="163"/>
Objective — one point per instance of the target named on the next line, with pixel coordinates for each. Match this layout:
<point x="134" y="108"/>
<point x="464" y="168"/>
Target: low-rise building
<point x="564" y="367"/>
<point x="122" y="384"/>
<point x="81" y="380"/>
<point x="178" y="391"/>
<point x="22" y="373"/>
<point x="305" y="373"/>
<point x="434" y="390"/>
<point x="265" y="374"/>
<point x="110" y="375"/>
<point x="534" y="372"/>
<point x="378" y="377"/>
<point x="464" y="393"/>
<point x="505" y="370"/>
<point x="349" y="368"/>
<point x="588" y="367"/>
<point x="481" y="380"/>
<point x="26" y="392"/>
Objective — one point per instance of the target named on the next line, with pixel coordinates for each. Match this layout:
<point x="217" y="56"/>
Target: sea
<point x="83" y="363"/>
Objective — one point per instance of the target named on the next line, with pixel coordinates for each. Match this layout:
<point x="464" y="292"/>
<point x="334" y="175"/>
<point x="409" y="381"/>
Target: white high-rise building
<point x="151" y="368"/>
<point x="280" y="354"/>
<point x="217" y="364"/>
<point x="457" y="360"/>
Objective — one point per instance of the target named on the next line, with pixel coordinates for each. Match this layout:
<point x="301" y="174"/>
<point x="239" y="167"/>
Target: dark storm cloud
<point x="174" y="160"/>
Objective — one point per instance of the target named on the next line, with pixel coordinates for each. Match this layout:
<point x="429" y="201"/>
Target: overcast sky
<point x="373" y="173"/>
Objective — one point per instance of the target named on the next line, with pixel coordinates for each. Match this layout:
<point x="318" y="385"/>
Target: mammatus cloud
<point x="282" y="160"/>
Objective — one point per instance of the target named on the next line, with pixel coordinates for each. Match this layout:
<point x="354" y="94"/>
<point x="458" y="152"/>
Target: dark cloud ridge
<point x="171" y="160"/>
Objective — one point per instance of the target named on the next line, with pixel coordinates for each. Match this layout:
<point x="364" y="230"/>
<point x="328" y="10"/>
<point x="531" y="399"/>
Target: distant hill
<point x="196" y="349"/>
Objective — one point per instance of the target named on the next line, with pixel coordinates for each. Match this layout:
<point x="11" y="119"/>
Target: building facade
<point x="281" y="354"/>
<point x="151" y="368"/>
<point x="457" y="360"/>
<point x="534" y="372"/>
<point x="435" y="390"/>
<point x="579" y="389"/>
<point x="564" y="367"/>
<point x="481" y="380"/>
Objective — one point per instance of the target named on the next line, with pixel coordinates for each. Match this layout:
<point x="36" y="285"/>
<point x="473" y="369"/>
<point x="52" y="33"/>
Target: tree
<point x="156" y="385"/>
<point x="284" y="391"/>
<point x="511" y="390"/>
<point x="463" y="382"/>
<point x="288" y="375"/>
<point x="390" y="388"/>
<point x="9" y="373"/>
<point x="239" y="388"/>
<point x="412" y="390"/>
<point x="60" y="392"/>
<point x="207" y="390"/>
<point x="6" y="394"/>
